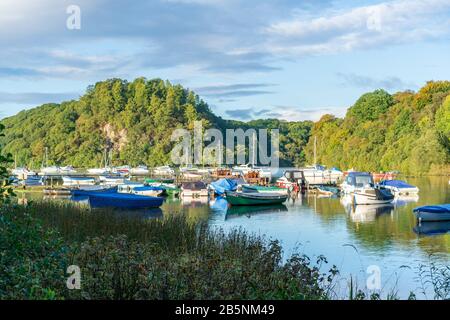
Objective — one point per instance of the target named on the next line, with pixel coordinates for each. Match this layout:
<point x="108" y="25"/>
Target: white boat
<point x="112" y="181"/>
<point x="67" y="170"/>
<point x="163" y="171"/>
<point x="139" y="170"/>
<point x="78" y="181"/>
<point x="372" y="195"/>
<point x="194" y="189"/>
<point x="243" y="169"/>
<point x="140" y="189"/>
<point x="99" y="171"/>
<point x="21" y="171"/>
<point x="440" y="212"/>
<point x="361" y="186"/>
<point x="318" y="174"/>
<point x="190" y="173"/>
<point x="50" y="170"/>
<point x="399" y="187"/>
<point x="121" y="170"/>
<point x="356" y="180"/>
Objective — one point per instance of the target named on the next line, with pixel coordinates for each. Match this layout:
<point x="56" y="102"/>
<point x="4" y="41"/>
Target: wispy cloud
<point x="287" y="113"/>
<point x="366" y="82"/>
<point x="229" y="91"/>
<point x="35" y="98"/>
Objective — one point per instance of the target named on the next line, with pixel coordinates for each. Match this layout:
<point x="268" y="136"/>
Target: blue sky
<point x="285" y="59"/>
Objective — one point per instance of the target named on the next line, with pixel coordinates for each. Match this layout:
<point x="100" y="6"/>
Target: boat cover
<point x="439" y="208"/>
<point x="222" y="185"/>
<point x="149" y="188"/>
<point x="396" y="183"/>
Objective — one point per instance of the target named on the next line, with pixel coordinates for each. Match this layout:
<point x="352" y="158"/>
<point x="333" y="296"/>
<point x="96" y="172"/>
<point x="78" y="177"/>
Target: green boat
<point x="162" y="180"/>
<point x="263" y="189"/>
<point x="254" y="198"/>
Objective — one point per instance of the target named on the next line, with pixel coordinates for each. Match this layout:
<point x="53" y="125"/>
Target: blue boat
<point x="440" y="212"/>
<point x="88" y="192"/>
<point x="222" y="185"/>
<point x="124" y="201"/>
<point x="399" y="187"/>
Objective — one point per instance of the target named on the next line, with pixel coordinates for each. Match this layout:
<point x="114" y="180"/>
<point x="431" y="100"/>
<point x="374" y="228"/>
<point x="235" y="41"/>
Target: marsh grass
<point x="126" y="257"/>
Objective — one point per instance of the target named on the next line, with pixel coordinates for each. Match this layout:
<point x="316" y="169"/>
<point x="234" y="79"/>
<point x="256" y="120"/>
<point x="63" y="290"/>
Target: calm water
<point x="350" y="238"/>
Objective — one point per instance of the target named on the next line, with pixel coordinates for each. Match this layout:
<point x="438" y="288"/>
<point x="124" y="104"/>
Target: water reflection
<point x="236" y="211"/>
<point x="432" y="228"/>
<point x="385" y="235"/>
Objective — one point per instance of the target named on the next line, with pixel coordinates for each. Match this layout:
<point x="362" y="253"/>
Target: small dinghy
<point x="254" y="198"/>
<point x="123" y="201"/>
<point x="440" y="212"/>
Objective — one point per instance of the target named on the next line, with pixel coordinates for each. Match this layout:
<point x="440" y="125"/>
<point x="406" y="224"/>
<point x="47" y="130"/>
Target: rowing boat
<point x="254" y="198"/>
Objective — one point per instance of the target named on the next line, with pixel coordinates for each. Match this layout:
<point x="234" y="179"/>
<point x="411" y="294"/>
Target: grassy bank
<point x="123" y="257"/>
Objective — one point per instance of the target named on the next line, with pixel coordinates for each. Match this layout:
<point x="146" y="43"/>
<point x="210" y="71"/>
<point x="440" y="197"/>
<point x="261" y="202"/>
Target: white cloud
<point x="336" y="31"/>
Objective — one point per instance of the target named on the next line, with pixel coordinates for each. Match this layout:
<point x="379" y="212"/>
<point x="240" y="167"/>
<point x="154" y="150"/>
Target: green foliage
<point x="371" y="105"/>
<point x="5" y="190"/>
<point x="133" y="258"/>
<point x="135" y="119"/>
<point x="32" y="258"/>
<point x="406" y="132"/>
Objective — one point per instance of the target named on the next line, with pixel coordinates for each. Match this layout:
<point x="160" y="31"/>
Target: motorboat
<point x="77" y="181"/>
<point x="140" y="189"/>
<point x="22" y="172"/>
<point x="399" y="187"/>
<point x="361" y="186"/>
<point x="99" y="171"/>
<point x="319" y="175"/>
<point x="112" y="180"/>
<point x="163" y="171"/>
<point x="140" y="170"/>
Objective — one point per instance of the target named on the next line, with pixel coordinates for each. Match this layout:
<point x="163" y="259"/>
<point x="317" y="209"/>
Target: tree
<point x="5" y="190"/>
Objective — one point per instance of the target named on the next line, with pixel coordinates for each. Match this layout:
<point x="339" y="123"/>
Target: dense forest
<point x="406" y="131"/>
<point x="134" y="120"/>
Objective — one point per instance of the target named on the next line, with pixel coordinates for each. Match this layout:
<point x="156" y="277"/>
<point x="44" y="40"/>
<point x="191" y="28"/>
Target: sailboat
<point x="101" y="171"/>
<point x="319" y="174"/>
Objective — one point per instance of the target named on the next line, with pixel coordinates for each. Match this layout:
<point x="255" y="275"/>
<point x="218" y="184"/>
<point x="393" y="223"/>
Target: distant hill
<point x="134" y="119"/>
<point x="406" y="131"/>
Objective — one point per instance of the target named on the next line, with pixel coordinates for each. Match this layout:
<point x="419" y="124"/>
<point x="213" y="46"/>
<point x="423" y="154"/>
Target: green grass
<point x="130" y="258"/>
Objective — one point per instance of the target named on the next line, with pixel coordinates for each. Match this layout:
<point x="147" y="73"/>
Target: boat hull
<point x="124" y="201"/>
<point x="254" y="199"/>
<point x="375" y="197"/>
<point x="262" y="189"/>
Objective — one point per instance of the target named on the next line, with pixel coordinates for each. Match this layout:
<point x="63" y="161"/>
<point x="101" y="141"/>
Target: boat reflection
<point x="403" y="200"/>
<point x="236" y="211"/>
<point x="194" y="201"/>
<point x="432" y="228"/>
<point x="219" y="204"/>
<point x="365" y="213"/>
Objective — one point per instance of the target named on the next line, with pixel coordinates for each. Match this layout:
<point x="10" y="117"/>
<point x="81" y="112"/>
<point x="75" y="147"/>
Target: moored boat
<point x="76" y="181"/>
<point x="140" y="189"/>
<point x="439" y="212"/>
<point x="399" y="187"/>
<point x="264" y="189"/>
<point x="372" y="195"/>
<point x="140" y="170"/>
<point x="163" y="171"/>
<point x="194" y="189"/>
<point x="254" y="198"/>
<point x="222" y="185"/>
<point x="124" y="201"/>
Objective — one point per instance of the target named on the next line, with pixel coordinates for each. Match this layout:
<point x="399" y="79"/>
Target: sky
<point x="248" y="59"/>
